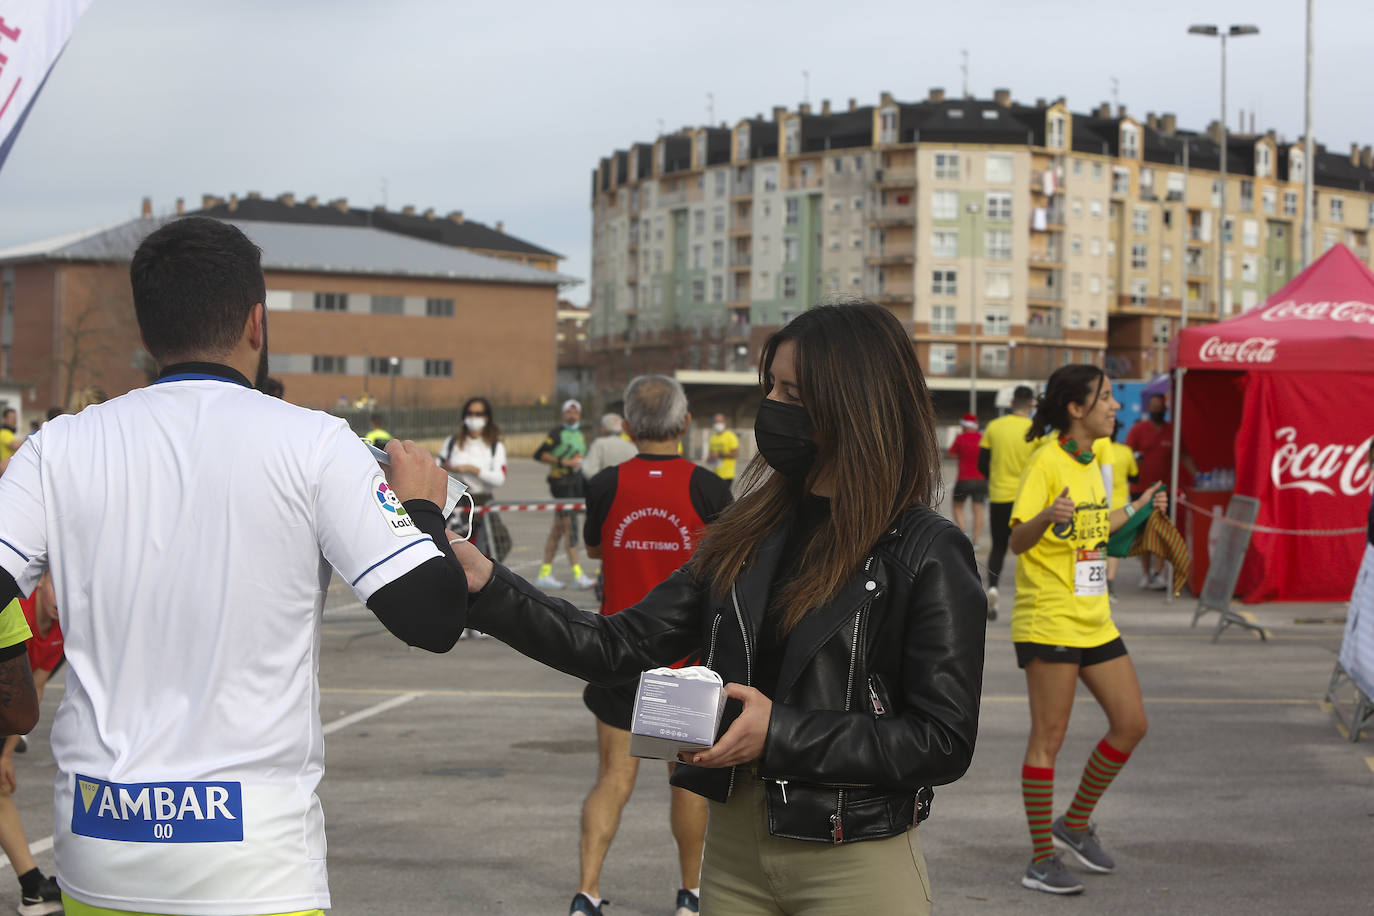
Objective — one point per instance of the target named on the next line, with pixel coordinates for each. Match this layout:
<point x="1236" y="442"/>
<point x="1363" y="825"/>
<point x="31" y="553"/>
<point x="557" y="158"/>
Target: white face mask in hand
<point x="456" y="488"/>
<point x="475" y="424"/>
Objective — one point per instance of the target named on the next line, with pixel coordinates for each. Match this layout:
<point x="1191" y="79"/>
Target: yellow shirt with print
<point x="7" y="446"/>
<point x="1005" y="438"/>
<point x="14" y="629"/>
<point x="719" y="445"/>
<point x="1047" y="610"/>
<point x="1121" y="459"/>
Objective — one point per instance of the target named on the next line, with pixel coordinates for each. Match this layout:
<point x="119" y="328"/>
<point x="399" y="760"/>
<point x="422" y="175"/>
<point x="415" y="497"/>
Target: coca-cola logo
<point x="1250" y="350"/>
<point x="1316" y="468"/>
<point x="1351" y="310"/>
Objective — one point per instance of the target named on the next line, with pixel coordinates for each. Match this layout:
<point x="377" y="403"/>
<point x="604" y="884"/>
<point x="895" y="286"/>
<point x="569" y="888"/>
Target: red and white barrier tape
<point x="1265" y="529"/>
<point x="570" y="506"/>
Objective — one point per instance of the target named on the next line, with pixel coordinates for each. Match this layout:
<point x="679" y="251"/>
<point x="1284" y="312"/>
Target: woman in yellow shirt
<point x="1061" y="623"/>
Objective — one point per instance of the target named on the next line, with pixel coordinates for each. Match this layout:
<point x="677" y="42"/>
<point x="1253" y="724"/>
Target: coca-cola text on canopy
<point x="1250" y="350"/>
<point x="1352" y="310"/>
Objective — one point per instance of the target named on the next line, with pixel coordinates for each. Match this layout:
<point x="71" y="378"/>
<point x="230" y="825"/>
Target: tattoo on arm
<point x="18" y="698"/>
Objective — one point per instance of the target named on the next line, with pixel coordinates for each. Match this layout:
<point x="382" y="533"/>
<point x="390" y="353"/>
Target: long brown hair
<point x="874" y="423"/>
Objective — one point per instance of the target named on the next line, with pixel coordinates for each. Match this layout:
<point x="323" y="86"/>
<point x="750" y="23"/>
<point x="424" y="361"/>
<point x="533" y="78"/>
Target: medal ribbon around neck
<point x="1082" y="456"/>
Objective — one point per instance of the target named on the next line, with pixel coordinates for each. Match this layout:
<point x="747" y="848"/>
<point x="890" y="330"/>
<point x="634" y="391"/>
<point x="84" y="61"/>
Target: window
<point x="1247" y="194"/>
<point x="1249" y="233"/>
<point x="698" y="290"/>
<point x="1167" y="218"/>
<point x="1076" y="205"/>
<point x="1054" y="136"/>
<point x="947" y="166"/>
<point x="1249" y="269"/>
<point x="858" y="202"/>
<point x="1095" y="246"/>
<point x="718" y="219"/>
<point x="331" y="302"/>
<point x="998" y="243"/>
<point x="1076" y="283"/>
<point x="388" y="305"/>
<point x="1290" y="203"/>
<point x="1262" y="161"/>
<point x="696" y="257"/>
<point x="1166" y="253"/>
<point x="838" y="162"/>
<point x="1078" y="168"/>
<point x="942" y="319"/>
<point x="1296" y="166"/>
<point x="1097" y="171"/>
<point x="1140" y="221"/>
<point x="1095" y="208"/>
<point x="997" y="320"/>
<point x="944" y="359"/>
<point x="1166" y="290"/>
<point x="329" y="365"/>
<point x="717" y="253"/>
<point x="944" y="205"/>
<point x="887" y="125"/>
<point x="1216" y="193"/>
<point x="793" y="137"/>
<point x="859" y="163"/>
<point x="1140" y="291"/>
<point x="381" y="365"/>
<point x="1267" y="200"/>
<point x="944" y="243"/>
<point x="997" y="284"/>
<point x="438" y="368"/>
<point x="1075" y="319"/>
<point x="1176" y="185"/>
<point x="994" y="360"/>
<point x="717" y="289"/>
<point x="944" y="282"/>
<point x="997" y="169"/>
<point x="1121" y="180"/>
<point x="698" y="222"/>
<point x="1111" y="249"/>
<point x="1337" y="209"/>
<point x="999" y="205"/>
<point x="1147" y="182"/>
<point x="1076" y="245"/>
<point x="791" y="249"/>
<point x="742" y="142"/>
<point x="658" y="228"/>
<point x="856" y="239"/>
<point x="834" y="241"/>
<point x="789" y="286"/>
<point x="1095" y="284"/>
<point x="836" y="205"/>
<point x="720" y="182"/>
<point x="1139" y="256"/>
<point x="793" y="211"/>
<point x="1130" y="141"/>
<point x="439" y="308"/>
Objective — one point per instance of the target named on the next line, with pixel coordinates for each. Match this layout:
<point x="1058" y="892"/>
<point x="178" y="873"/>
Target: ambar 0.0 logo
<point x="388" y="499"/>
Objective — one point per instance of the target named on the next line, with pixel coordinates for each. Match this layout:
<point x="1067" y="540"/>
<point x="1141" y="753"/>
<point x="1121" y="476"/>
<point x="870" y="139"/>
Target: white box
<point x="676" y="709"/>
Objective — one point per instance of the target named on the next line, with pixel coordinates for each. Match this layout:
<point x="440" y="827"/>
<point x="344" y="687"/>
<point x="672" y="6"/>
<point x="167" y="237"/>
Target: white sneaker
<point x="1157" y="582"/>
<point x="584" y="581"/>
<point x="1146" y="581"/>
<point x="547" y="582"/>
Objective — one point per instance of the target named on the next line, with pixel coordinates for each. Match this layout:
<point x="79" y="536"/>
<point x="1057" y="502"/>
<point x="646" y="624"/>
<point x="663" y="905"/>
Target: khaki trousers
<point x="747" y="872"/>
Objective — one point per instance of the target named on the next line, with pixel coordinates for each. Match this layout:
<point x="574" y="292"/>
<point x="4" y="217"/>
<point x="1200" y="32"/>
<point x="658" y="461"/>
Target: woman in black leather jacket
<point x="845" y="616"/>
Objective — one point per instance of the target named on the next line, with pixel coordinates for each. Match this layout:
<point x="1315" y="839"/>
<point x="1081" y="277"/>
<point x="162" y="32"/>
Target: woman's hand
<point x="1156" y="495"/>
<point x="1162" y="499"/>
<point x="476" y="566"/>
<point x="467" y="469"/>
<point x="1060" y="512"/>
<point x="743" y="740"/>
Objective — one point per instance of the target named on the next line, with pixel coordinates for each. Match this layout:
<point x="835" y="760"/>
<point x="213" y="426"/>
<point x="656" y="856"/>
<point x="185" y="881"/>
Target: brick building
<point x="352" y="309"/>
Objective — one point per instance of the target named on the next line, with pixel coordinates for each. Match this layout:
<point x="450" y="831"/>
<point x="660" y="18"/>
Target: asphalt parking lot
<point x="454" y="783"/>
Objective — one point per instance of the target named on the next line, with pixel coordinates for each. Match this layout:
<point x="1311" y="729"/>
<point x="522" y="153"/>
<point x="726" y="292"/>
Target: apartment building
<point x="1007" y="237"/>
<point x="352" y="309"/>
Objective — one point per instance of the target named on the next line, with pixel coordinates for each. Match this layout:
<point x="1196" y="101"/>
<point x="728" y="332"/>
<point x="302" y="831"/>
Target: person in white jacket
<point x="476" y="455"/>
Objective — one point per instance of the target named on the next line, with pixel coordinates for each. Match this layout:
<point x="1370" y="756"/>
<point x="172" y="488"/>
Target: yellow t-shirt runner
<point x="1005" y="439"/>
<point x="14" y="629"/>
<point x="719" y="445"/>
<point x="1121" y="459"/>
<point x="1061" y="584"/>
<point x="7" y="446"/>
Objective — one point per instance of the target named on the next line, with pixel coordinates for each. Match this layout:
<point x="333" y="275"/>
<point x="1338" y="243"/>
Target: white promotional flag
<point x="32" y="36"/>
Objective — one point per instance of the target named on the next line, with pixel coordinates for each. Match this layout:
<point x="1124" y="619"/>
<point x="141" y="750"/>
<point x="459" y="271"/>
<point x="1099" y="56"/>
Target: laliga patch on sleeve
<point x="389" y="504"/>
<point x="158" y="812"/>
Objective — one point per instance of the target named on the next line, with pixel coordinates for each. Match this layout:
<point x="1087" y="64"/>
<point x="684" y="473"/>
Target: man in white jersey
<point x="191" y="528"/>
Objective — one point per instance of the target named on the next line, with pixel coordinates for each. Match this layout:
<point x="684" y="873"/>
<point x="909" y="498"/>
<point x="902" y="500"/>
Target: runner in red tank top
<point x="644" y="519"/>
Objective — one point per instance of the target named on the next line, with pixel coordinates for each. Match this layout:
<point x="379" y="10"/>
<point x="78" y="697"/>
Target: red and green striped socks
<point x="1037" y="790"/>
<point x="1105" y="762"/>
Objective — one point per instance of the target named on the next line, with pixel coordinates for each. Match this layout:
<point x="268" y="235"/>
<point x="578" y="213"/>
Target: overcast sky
<point x="503" y="110"/>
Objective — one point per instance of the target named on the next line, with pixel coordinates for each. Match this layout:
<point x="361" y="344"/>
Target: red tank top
<point x="651" y="530"/>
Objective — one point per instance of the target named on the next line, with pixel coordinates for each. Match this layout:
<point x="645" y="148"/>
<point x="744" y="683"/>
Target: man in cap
<point x="563" y="450"/>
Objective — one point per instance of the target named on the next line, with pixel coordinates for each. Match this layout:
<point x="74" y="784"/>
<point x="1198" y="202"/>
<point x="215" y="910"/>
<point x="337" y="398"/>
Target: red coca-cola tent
<point x="1284" y="393"/>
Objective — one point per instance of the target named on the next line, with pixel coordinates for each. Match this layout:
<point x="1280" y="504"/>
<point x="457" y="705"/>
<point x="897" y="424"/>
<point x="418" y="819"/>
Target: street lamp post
<point x="1213" y="31"/>
<point x="972" y="208"/>
<point x="395" y="364"/>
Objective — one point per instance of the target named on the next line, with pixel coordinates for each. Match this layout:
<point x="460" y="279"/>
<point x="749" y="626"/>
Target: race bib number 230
<point x="1090" y="572"/>
<point x="158" y="812"/>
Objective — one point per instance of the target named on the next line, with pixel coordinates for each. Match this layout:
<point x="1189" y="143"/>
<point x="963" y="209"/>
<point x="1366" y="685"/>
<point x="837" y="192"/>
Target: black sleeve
<point x="426" y="607"/>
<point x="548" y="442"/>
<point x="9" y="589"/>
<point x="600" y="495"/>
<point x="985" y="461"/>
<point x="710" y="494"/>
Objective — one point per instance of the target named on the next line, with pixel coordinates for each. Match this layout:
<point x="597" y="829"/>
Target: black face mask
<point x="1157" y="416"/>
<point x="783" y="434"/>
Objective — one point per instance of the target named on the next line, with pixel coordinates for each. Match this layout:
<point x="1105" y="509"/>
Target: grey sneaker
<point x="1084" y="845"/>
<point x="1052" y="877"/>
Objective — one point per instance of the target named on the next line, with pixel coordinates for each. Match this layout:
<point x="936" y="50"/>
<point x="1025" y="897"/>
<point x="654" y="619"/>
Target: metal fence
<point x="437" y="422"/>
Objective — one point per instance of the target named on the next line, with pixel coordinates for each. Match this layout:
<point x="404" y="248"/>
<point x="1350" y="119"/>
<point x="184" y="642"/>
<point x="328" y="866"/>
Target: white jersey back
<point x="190" y="527"/>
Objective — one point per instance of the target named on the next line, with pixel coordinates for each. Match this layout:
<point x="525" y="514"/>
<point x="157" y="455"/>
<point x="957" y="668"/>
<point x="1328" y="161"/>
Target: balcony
<point x="801" y="183"/>
<point x="1038" y="182"/>
<point x="891" y="297"/>
<point x="742" y="226"/>
<point x="1200" y="269"/>
<point x="1052" y="294"/>
<point x="894" y="178"/>
<point x="1045" y="330"/>
<point x="1195" y="236"/>
<point x="1050" y="257"/>
<point x="893" y="216"/>
<point x="892" y="257"/>
<point x="741" y="260"/>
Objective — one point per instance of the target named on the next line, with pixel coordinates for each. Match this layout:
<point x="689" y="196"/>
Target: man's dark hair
<point x="195" y="281"/>
<point x="7" y="411"/>
<point x="1022" y="396"/>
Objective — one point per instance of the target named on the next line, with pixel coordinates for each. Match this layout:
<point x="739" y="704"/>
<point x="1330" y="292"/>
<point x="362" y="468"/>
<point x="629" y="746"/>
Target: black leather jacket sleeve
<point x="662" y="628"/>
<point x="930" y="738"/>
